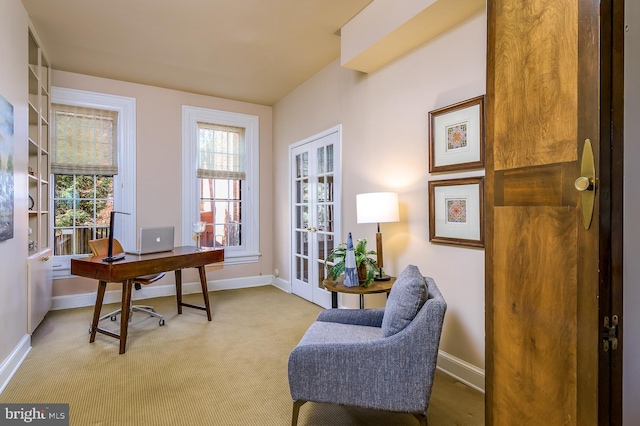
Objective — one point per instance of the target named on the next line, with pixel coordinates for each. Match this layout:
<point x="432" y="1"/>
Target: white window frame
<point x="249" y="250"/>
<point x="124" y="183"/>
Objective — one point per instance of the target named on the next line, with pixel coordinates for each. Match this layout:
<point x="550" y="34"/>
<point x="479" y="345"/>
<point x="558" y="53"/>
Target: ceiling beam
<point x="387" y="29"/>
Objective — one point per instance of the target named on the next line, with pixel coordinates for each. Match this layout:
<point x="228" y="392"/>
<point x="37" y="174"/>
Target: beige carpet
<point x="230" y="371"/>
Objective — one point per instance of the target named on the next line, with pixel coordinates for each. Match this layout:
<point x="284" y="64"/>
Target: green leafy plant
<point x="367" y="266"/>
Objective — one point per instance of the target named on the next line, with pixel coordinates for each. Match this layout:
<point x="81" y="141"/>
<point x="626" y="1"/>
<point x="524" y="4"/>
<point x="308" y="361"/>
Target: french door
<point x="315" y="212"/>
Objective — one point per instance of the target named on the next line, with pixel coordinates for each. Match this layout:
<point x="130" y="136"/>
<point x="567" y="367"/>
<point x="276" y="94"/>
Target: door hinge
<point x="610" y="333"/>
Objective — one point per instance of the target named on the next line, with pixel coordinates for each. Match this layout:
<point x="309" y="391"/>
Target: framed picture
<point x="456" y="211"/>
<point x="6" y="170"/>
<point x="456" y="136"/>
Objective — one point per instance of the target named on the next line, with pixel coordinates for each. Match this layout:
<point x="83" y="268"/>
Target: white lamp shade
<point x="377" y="207"/>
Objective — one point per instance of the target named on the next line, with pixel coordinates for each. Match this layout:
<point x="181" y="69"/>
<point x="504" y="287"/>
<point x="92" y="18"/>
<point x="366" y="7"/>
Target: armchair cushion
<point x="334" y="332"/>
<point x="406" y="297"/>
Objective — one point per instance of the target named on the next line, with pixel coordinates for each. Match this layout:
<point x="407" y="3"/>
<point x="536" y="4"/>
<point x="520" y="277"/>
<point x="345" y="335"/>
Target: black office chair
<point x="100" y="247"/>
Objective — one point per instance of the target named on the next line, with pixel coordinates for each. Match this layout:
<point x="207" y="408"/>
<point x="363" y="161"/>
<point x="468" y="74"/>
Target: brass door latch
<point x="610" y="333"/>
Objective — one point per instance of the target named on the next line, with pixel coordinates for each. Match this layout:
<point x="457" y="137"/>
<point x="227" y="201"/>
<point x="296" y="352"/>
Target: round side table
<point x="337" y="286"/>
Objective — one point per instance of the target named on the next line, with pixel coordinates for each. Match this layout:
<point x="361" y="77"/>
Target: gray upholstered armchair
<point x="373" y="358"/>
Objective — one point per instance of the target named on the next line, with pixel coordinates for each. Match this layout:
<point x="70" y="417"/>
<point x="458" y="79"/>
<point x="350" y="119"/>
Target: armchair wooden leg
<point x="296" y="411"/>
<point x="422" y="418"/>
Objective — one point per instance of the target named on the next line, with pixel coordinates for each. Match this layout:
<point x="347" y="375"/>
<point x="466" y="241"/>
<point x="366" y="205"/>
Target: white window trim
<point x="249" y="251"/>
<point x="125" y="180"/>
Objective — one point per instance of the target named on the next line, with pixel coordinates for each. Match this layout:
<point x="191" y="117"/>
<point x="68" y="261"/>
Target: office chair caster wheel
<point x="161" y="322"/>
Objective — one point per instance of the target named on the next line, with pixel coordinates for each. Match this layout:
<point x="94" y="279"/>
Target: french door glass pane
<point x="302" y="272"/>
<point x="305" y="269"/>
<point x="321" y="187"/>
<point x="302" y="191"/>
<point x="320" y="219"/>
<point x="328" y="224"/>
<point x="302" y="165"/>
<point x="305" y="191"/>
<point x="305" y="217"/>
<point x="304" y="246"/>
<point x="321" y="275"/>
<point x="304" y="243"/>
<point x="320" y="154"/>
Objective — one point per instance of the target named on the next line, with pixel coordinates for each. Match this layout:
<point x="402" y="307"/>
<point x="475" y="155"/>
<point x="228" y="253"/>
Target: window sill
<point x="230" y="259"/>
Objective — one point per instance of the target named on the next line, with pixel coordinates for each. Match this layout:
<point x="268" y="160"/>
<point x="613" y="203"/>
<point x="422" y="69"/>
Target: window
<point x="84" y="163"/>
<point x="220" y="181"/>
<point x="221" y="172"/>
<point x="93" y="171"/>
<point x="81" y="206"/>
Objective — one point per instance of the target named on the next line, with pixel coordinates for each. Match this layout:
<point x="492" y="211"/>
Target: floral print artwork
<point x="456" y="210"/>
<point x="457" y="136"/>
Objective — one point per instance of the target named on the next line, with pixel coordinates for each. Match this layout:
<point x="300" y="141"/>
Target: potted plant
<point x="367" y="266"/>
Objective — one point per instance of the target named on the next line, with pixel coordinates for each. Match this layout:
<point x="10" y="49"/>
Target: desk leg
<point x="102" y="285"/>
<point x="205" y="290"/>
<point x="126" y="312"/>
<point x="179" y="289"/>
<point x="334" y="299"/>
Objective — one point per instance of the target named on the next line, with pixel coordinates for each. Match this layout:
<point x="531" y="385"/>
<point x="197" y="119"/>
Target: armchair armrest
<point x="367" y="317"/>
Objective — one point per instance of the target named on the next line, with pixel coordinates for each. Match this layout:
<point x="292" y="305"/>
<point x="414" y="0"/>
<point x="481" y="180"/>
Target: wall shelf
<point x="39" y="252"/>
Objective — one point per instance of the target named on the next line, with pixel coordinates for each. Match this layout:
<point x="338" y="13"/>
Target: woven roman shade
<point x="84" y="141"/>
<point x="220" y="152"/>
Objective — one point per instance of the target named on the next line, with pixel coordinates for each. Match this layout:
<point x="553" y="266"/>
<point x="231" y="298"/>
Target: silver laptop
<point x="155" y="240"/>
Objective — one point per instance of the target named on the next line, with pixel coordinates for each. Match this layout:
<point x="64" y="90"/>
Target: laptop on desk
<point x="155" y="240"/>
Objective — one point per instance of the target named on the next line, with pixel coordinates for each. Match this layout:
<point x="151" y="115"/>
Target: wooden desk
<point x="134" y="266"/>
<point x="337" y="286"/>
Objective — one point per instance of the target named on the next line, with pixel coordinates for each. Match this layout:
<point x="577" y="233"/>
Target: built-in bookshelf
<point x="39" y="103"/>
<point x="39" y="259"/>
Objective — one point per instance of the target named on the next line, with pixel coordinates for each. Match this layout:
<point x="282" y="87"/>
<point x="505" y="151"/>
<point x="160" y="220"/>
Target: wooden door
<point x="548" y="279"/>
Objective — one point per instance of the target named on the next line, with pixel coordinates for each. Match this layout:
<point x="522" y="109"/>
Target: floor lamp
<point x="378" y="207"/>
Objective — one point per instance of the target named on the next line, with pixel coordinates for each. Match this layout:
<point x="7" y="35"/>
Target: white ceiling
<point x="249" y="50"/>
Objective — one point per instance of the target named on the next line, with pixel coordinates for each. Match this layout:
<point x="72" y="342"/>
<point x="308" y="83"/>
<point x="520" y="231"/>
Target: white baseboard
<point x="281" y="284"/>
<point x="10" y="365"/>
<point x="462" y="371"/>
<point x="147" y="292"/>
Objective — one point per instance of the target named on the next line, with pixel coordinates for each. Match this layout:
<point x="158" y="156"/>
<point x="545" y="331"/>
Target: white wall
<point x="13" y="252"/>
<point x="385" y="147"/>
<point x="631" y="271"/>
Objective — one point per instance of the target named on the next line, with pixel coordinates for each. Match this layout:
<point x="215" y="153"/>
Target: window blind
<point x="84" y="141"/>
<point x="220" y="152"/>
